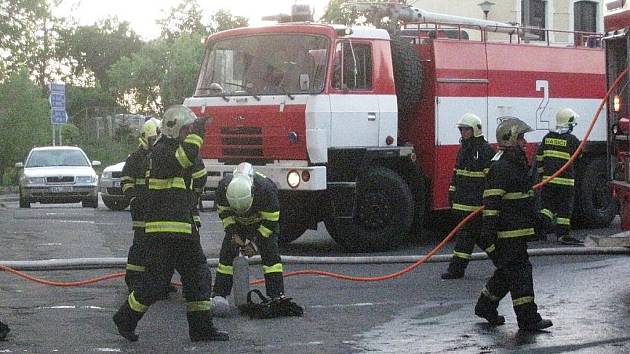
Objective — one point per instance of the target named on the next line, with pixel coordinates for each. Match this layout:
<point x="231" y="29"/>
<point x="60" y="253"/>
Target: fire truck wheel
<point x="383" y="217"/>
<point x="596" y="206"/>
<point x="407" y="75"/>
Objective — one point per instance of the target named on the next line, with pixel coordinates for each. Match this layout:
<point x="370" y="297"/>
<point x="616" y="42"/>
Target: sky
<point x="142" y="14"/>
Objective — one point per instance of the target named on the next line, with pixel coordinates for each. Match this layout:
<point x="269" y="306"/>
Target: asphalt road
<point x="587" y="297"/>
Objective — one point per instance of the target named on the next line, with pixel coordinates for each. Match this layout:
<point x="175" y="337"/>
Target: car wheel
<point x="116" y="205"/>
<point x="90" y="203"/>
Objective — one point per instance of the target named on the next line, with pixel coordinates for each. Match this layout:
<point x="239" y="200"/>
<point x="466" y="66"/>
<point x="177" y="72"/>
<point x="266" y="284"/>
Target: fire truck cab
<point x="357" y="127"/>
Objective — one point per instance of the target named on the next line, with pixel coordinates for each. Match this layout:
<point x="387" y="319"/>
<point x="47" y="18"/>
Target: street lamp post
<point x="486" y="6"/>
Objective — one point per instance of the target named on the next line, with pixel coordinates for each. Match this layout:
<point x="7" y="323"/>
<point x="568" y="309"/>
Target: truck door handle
<point x="371" y="116"/>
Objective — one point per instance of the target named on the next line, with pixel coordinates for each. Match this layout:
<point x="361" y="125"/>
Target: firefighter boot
<point x="536" y="326"/>
<point x="126" y="321"/>
<point x="4" y="330"/>
<point x="455" y="270"/>
<point x="201" y="329"/>
<point x="486" y="308"/>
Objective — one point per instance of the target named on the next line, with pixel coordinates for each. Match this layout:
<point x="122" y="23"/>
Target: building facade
<point x="560" y="15"/>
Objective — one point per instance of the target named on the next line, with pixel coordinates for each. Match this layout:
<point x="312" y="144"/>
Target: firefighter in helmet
<point x="466" y="189"/>
<point x="172" y="237"/>
<point x="555" y="149"/>
<point x="248" y="206"/>
<point x="134" y="187"/>
<point x="508" y="221"/>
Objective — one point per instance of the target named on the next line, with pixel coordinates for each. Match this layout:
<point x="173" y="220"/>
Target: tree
<point x="92" y="50"/>
<point x="224" y="20"/>
<point x="336" y="12"/>
<point x="24" y="118"/>
<point x="28" y="39"/>
<point x="184" y="19"/>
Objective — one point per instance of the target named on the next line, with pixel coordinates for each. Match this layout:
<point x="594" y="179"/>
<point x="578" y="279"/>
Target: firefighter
<point x="248" y="206"/>
<point x="467" y="183"/>
<point x="134" y="187"/>
<point x="171" y="236"/>
<point x="508" y="221"/>
<point x="555" y="149"/>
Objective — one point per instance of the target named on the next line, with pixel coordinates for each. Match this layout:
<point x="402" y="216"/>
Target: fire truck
<point x="357" y="126"/>
<point x="617" y="40"/>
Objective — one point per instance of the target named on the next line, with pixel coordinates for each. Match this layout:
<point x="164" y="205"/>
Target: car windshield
<point x="45" y="158"/>
<point x="264" y="64"/>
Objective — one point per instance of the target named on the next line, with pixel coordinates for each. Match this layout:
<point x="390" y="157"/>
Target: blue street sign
<point x="58" y="116"/>
<point x="58" y="113"/>
<point x="58" y="101"/>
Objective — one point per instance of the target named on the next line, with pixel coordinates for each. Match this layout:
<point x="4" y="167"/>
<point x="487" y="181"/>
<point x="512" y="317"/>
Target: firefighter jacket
<point x="554" y="151"/>
<point x="261" y="218"/>
<point x="171" y="199"/>
<point x="133" y="183"/>
<point x="469" y="174"/>
<point x="197" y="181"/>
<point x="508" y="198"/>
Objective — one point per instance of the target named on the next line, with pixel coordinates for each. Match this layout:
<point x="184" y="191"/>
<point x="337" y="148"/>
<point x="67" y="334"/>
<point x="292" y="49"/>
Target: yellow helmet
<point x="239" y="193"/>
<point x="151" y="128"/>
<point x="471" y="120"/>
<point x="566" y="118"/>
<point x="175" y="118"/>
<point x="509" y="129"/>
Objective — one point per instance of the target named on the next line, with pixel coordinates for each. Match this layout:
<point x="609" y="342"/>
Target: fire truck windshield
<point x="264" y="64"/>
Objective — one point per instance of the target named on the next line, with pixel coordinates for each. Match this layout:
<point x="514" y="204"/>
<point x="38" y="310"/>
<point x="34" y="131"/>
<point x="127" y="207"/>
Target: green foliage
<point x="92" y="50"/>
<point x="179" y="78"/>
<point x="184" y="19"/>
<point x="223" y="20"/>
<point x="24" y="118"/>
<point x="70" y="134"/>
<point x="27" y="38"/>
<point x="338" y="12"/>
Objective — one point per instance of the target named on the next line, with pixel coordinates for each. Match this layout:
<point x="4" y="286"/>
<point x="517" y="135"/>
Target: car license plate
<point x="116" y="184"/>
<point x="61" y="189"/>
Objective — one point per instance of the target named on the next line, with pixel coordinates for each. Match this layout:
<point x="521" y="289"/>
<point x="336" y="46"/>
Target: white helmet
<point x="151" y="128"/>
<point x="239" y="193"/>
<point x="566" y="118"/>
<point x="470" y="120"/>
<point x="175" y="118"/>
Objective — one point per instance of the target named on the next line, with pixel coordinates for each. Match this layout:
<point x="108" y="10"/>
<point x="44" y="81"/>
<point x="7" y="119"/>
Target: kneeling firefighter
<point x="248" y="206"/>
<point x="172" y="238"/>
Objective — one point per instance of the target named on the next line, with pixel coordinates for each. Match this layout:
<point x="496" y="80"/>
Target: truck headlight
<point x="107" y="175"/>
<point x="35" y="180"/>
<point x="293" y="179"/>
<point x="84" y="179"/>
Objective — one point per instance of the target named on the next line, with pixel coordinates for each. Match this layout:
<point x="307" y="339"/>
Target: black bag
<point x="269" y="308"/>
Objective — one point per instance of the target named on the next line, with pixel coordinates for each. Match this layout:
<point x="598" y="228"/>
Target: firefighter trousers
<point x="135" y="260"/>
<point x="469" y="236"/>
<point x="513" y="275"/>
<point x="557" y="207"/>
<point x="164" y="255"/>
<point x="271" y="264"/>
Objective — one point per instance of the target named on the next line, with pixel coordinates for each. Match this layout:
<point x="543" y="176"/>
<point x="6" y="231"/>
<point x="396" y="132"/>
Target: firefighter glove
<point x="270" y="308"/>
<point x="199" y="126"/>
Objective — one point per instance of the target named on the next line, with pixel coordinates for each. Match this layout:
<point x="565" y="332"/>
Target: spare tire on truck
<point x="594" y="202"/>
<point x="408" y="76"/>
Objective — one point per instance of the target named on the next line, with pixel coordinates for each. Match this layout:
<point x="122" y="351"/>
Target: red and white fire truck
<point x="357" y="127"/>
<point x="617" y="40"/>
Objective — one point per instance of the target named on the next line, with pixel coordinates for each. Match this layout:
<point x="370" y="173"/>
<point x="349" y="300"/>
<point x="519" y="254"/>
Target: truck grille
<point x="60" y="179"/>
<point x="242" y="144"/>
<point x="117" y="174"/>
